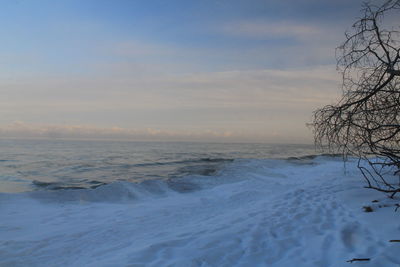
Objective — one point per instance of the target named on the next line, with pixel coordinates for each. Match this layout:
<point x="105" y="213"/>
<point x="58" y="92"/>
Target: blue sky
<point x="187" y="70"/>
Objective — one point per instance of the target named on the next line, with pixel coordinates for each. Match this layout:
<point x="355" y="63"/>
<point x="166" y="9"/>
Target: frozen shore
<point x="300" y="212"/>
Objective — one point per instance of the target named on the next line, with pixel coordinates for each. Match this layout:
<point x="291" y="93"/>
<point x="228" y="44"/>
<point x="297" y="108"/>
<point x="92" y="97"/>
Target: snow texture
<point x="297" y="212"/>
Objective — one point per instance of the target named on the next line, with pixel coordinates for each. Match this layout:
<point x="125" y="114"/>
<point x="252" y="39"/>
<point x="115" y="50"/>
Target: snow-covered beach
<point x="256" y="212"/>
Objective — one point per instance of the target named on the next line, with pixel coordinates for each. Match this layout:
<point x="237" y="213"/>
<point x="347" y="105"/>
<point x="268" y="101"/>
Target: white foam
<point x="253" y="213"/>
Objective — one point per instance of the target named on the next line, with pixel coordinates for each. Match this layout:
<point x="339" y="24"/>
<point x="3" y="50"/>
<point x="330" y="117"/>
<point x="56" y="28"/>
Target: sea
<point x="54" y="165"/>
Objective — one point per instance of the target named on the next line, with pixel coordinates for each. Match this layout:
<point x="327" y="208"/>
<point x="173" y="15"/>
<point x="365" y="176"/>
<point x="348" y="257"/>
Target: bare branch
<point x="366" y="120"/>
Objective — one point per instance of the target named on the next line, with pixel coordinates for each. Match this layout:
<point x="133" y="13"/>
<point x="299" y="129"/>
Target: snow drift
<point x="295" y="212"/>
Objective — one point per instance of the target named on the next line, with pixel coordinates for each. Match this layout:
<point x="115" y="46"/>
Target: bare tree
<point x="366" y="120"/>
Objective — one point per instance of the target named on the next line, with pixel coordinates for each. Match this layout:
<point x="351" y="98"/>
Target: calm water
<point x="28" y="165"/>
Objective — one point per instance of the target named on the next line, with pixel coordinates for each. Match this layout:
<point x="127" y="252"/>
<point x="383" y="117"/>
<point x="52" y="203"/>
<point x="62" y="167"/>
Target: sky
<point x="222" y="70"/>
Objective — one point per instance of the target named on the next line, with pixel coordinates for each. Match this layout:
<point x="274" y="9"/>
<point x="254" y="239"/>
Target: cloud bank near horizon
<point x="22" y="130"/>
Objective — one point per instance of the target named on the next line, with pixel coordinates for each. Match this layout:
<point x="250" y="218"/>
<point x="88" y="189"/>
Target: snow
<point x="305" y="212"/>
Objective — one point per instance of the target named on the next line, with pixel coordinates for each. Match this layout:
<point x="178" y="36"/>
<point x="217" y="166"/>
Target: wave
<point x="310" y="159"/>
<point x="121" y="191"/>
<point x="176" y="162"/>
<point x="70" y="177"/>
<point x="62" y="186"/>
<point x="313" y="156"/>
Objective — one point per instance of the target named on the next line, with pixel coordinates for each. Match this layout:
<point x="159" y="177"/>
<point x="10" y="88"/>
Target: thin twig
<point x="355" y="259"/>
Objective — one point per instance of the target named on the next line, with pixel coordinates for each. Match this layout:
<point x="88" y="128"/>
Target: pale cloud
<point x="269" y="29"/>
<point x="259" y="105"/>
<point x="230" y="88"/>
<point x="283" y="44"/>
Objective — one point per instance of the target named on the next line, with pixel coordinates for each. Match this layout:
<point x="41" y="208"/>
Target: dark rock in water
<point x="368" y="209"/>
